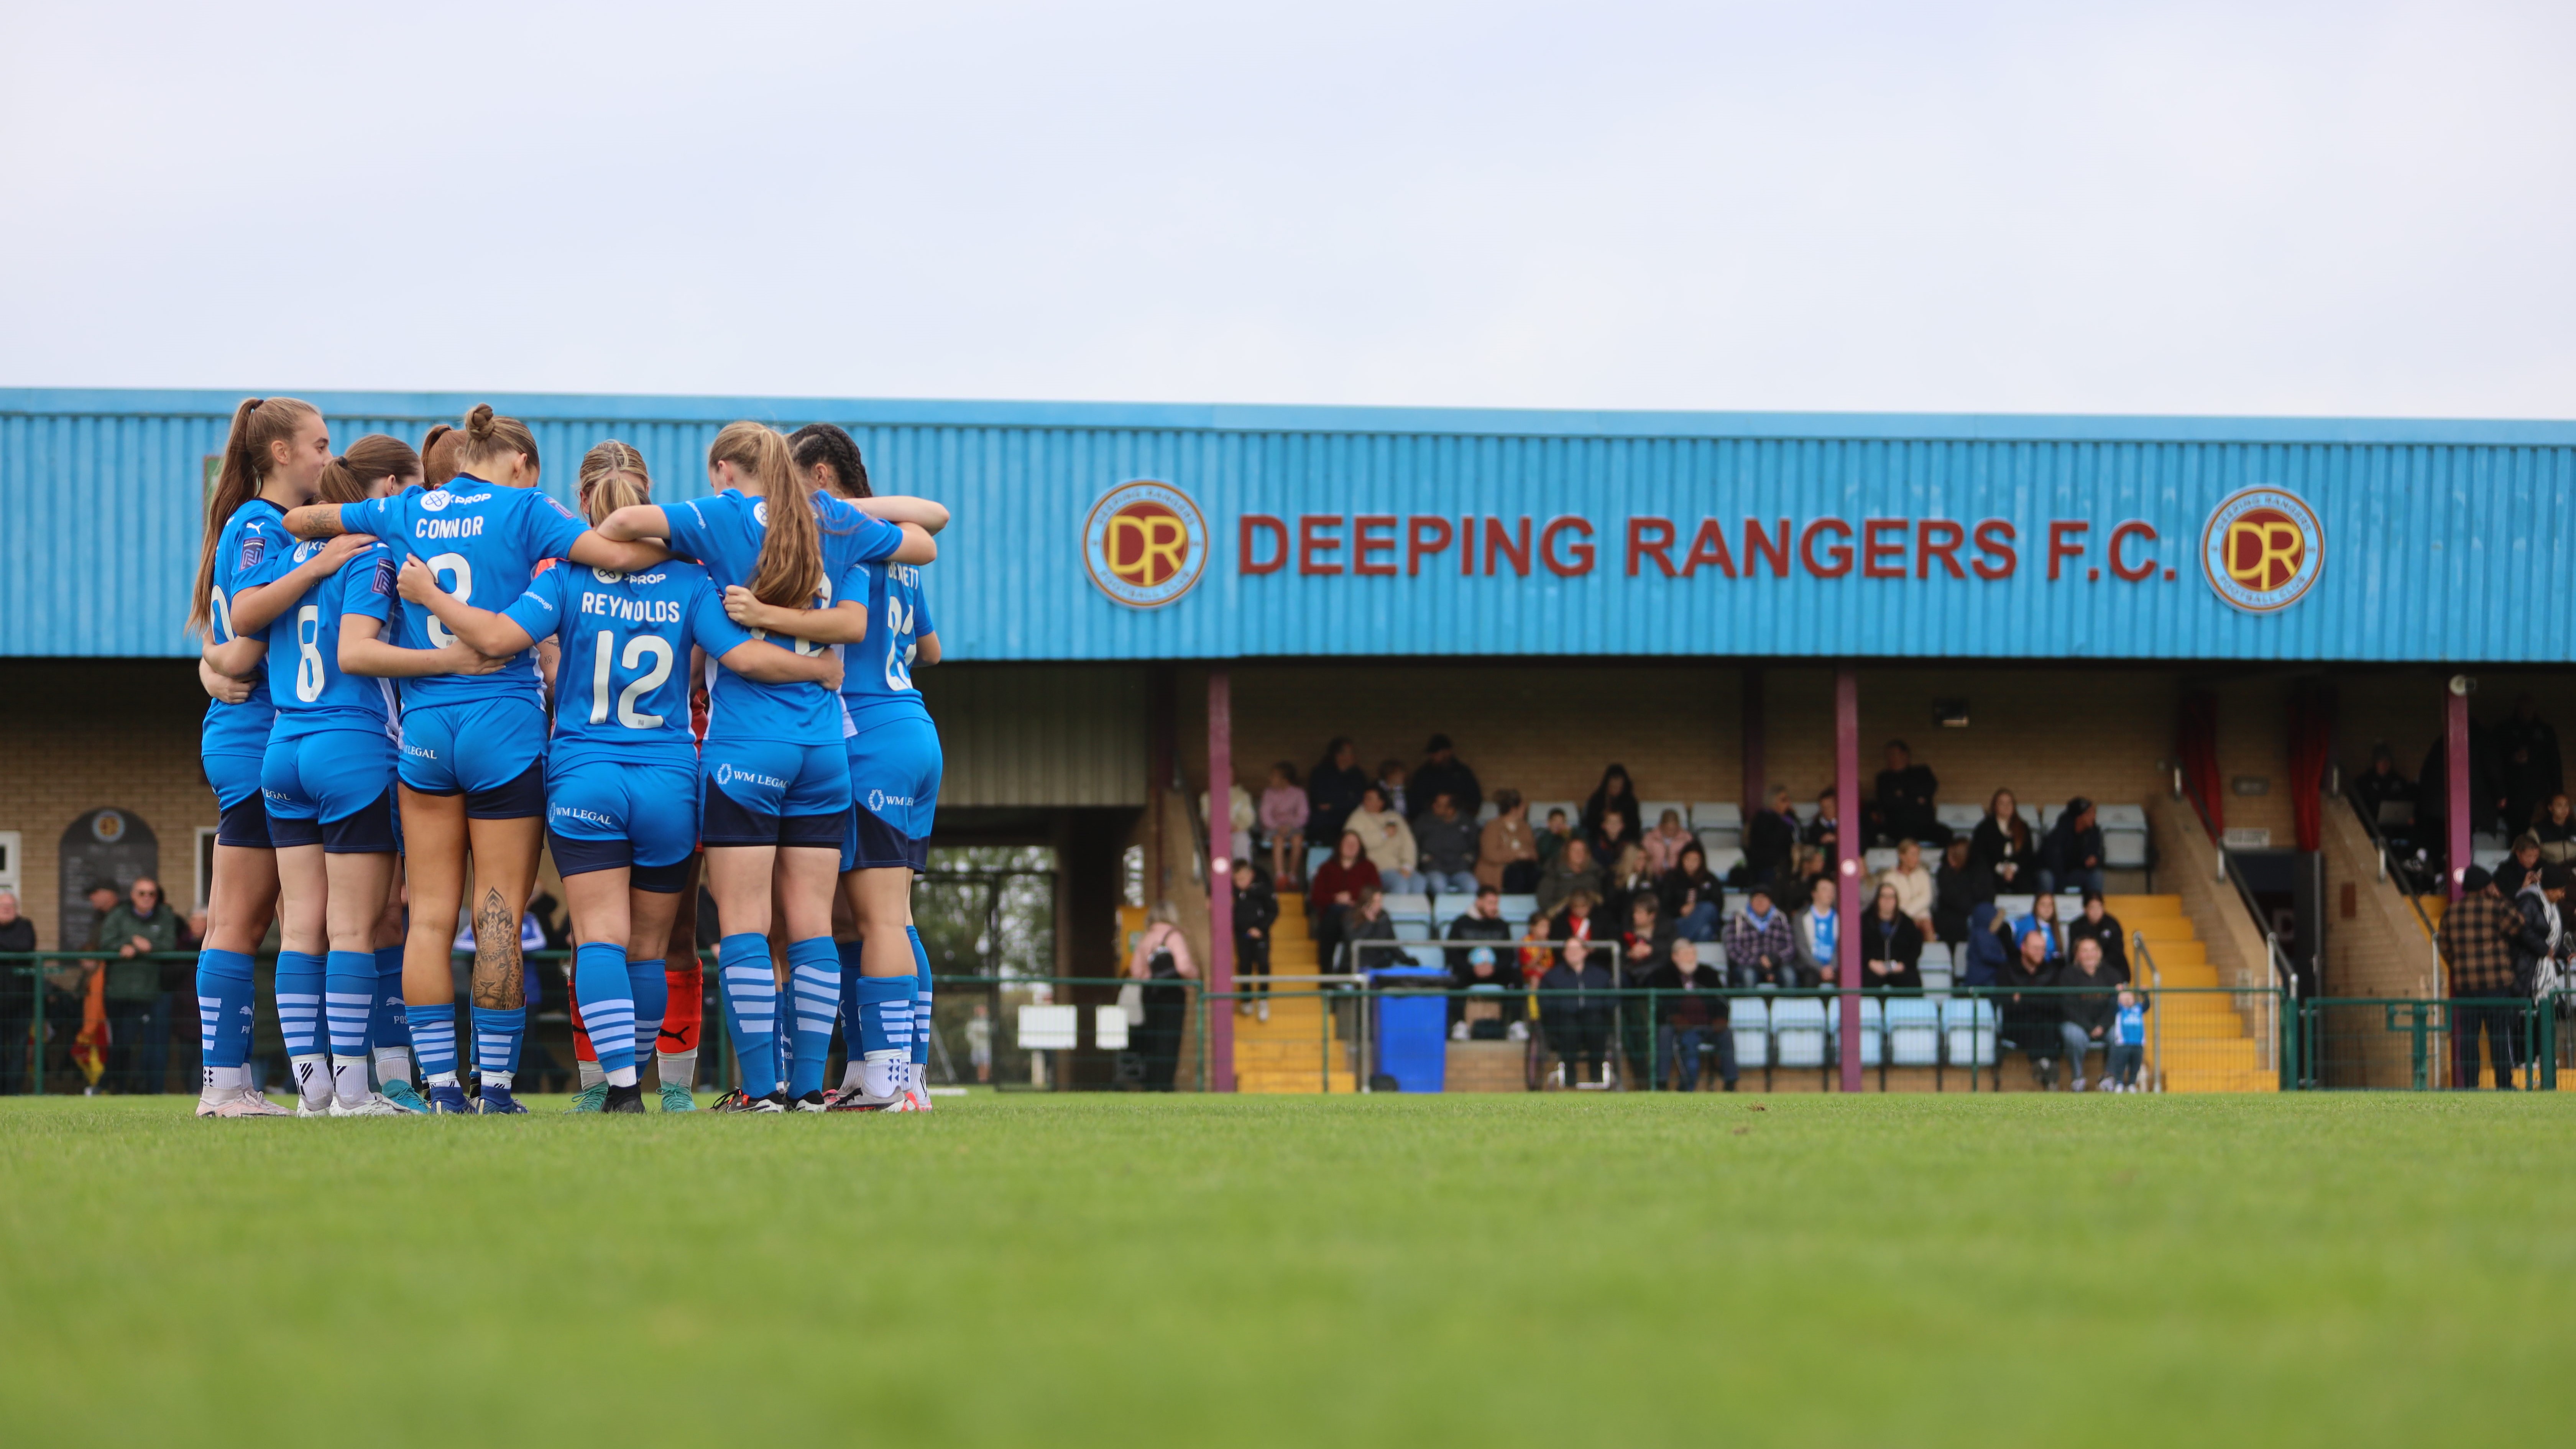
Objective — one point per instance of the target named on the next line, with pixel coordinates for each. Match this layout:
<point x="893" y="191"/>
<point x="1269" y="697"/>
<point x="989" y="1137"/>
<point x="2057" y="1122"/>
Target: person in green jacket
<point x="138" y="1006"/>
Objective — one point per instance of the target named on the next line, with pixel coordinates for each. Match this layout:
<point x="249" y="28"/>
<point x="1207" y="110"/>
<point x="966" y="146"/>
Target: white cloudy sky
<point x="2227" y="208"/>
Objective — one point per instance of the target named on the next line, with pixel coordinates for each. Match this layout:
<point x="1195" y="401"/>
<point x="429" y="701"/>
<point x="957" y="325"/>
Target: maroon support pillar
<point x="2455" y="738"/>
<point x="1847" y="843"/>
<point x="1220" y="1016"/>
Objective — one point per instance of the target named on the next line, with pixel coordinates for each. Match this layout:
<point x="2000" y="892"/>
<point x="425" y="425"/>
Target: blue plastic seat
<point x="1968" y="1029"/>
<point x="1749" y="1018"/>
<point x="1873" y="1031"/>
<point x="1798" y="1031"/>
<point x="1913" y="1032"/>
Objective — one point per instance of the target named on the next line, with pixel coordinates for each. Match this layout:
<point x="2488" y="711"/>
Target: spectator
<point x="1825" y="831"/>
<point x="1610" y="837"/>
<point x="2556" y="831"/>
<point x="2099" y="926"/>
<point x="2433" y="787"/>
<point x="1629" y="880"/>
<point x="1694" y="901"/>
<point x="17" y="1016"/>
<point x="1491" y="1009"/>
<point x="2031" y="1016"/>
<point x="1335" y="889"/>
<point x="1761" y="950"/>
<point x="1574" y="1007"/>
<point x="1615" y="792"/>
<point x="1554" y="837"/>
<point x="1664" y="843"/>
<point x="1771" y="839"/>
<point x="2128" y="1042"/>
<point x="1284" y="812"/>
<point x="1798" y="890"/>
<point x="2527" y="751"/>
<point x="1333" y="790"/>
<point x="1956" y="890"/>
<point x="2520" y="867"/>
<point x="138" y="1008"/>
<point x="2041" y="918"/>
<point x="2478" y="934"/>
<point x="1891" y="945"/>
<point x="1388" y="841"/>
<point x="1538" y="947"/>
<point x="1390" y="783"/>
<point x="1914" y="888"/>
<point x="1256" y="912"/>
<point x="1447" y="841"/>
<point x="1482" y="921"/>
<point x="2089" y="1014"/>
<point x="1162" y="959"/>
<point x="1583" y="919"/>
<point x="1441" y="771"/>
<point x="1239" y="820"/>
<point x="1506" y="853"/>
<point x="1820" y="928"/>
<point x="1368" y="921"/>
<point x="2381" y="785"/>
<point x="2071" y="857"/>
<point x="2002" y="848"/>
<point x="2540" y="935"/>
<point x="1906" y="810"/>
<point x="1570" y="872"/>
<point x="192" y="933"/>
<point x="1647" y="943"/>
<point x="1691" y="1017"/>
<point x="1989" y="951"/>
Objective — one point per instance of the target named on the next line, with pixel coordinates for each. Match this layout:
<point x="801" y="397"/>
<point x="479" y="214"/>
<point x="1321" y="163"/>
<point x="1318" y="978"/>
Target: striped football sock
<point x="751" y="1009"/>
<point x="299" y="1020"/>
<point x="348" y="1002"/>
<point x="607" y="997"/>
<point x="496" y="1042"/>
<point x="814" y="979"/>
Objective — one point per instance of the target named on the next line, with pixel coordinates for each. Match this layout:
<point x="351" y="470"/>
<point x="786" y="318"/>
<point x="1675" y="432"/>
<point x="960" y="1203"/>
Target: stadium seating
<point x="1873" y="1030"/>
<point x="1968" y="1028"/>
<point x="1721" y="859"/>
<point x="1316" y="855"/>
<point x="1409" y="907"/>
<point x="1749" y="1018"/>
<point x="1721" y="818"/>
<point x="1412" y="928"/>
<point x="1798" y="1032"/>
<point x="1913" y="1032"/>
<point x="1651" y="813"/>
<point x="1573" y="813"/>
<point x="2124" y="836"/>
<point x="1937" y="968"/>
<point x="1960" y="816"/>
<point x="1518" y="909"/>
<point x="1878" y="858"/>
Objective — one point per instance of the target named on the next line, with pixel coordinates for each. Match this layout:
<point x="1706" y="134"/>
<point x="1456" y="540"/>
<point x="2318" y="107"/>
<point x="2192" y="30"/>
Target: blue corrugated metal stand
<point x="1321" y="531"/>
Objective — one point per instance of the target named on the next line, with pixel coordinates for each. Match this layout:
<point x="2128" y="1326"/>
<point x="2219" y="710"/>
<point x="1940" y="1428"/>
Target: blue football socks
<point x="607" y="996"/>
<point x="226" y="1011"/>
<point x="388" y="1029"/>
<point x="814" y="981"/>
<point x="920" y="1005"/>
<point x="651" y="987"/>
<point x="751" y="1010"/>
<point x="433" y="1040"/>
<point x="348" y="1004"/>
<point x="496" y="1042"/>
<point x="299" y="1020"/>
<point x="885" y="1033"/>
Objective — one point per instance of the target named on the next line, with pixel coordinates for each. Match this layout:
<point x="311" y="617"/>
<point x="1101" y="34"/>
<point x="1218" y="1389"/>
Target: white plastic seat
<point x="1936" y="956"/>
<point x="1716" y="815"/>
<point x="1518" y="909"/>
<point x="1968" y="1032"/>
<point x="1723" y="859"/>
<point x="1878" y="858"/>
<point x="1914" y="1031"/>
<point x="2120" y="817"/>
<point x="2048" y="817"/>
<point x="1413" y="928"/>
<point x="1418" y="906"/>
<point x="1798" y="1032"/>
<point x="1749" y="1018"/>
<point x="2013" y="907"/>
<point x="2124" y="849"/>
<point x="1959" y="816"/>
<point x="1488" y="813"/>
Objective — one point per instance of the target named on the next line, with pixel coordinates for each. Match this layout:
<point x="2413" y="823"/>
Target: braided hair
<point x="827" y="444"/>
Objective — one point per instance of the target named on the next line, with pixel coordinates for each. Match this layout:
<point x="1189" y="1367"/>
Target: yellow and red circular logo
<point x="2262" y="549"/>
<point x="1146" y="544"/>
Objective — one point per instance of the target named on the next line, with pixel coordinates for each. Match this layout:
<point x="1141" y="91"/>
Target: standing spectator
<point x="1693" y="898"/>
<point x="1335" y="889"/>
<point x="1333" y="790"/>
<point x="1162" y="960"/>
<point x="1771" y="839"/>
<point x="2527" y="748"/>
<point x="1368" y="921"/>
<point x="2071" y="857"/>
<point x="1956" y="890"/>
<point x="2099" y="926"/>
<point x="1447" y="841"/>
<point x="1506" y="852"/>
<point x="1571" y="871"/>
<point x="2381" y="785"/>
<point x="1239" y="820"/>
<point x="17" y="993"/>
<point x="1390" y="783"/>
<point x="1388" y="841"/>
<point x="1820" y="928"/>
<point x="1553" y="839"/>
<point x="2520" y="867"/>
<point x="138" y="1010"/>
<point x="1891" y="945"/>
<point x="2478" y="934"/>
<point x="1574" y="1007"/>
<point x="1906" y="809"/>
<point x="1442" y="771"/>
<point x="1664" y="843"/>
<point x="1610" y="837"/>
<point x="2030" y="1016"/>
<point x="1256" y="911"/>
<point x="2042" y="920"/>
<point x="2002" y="848"/>
<point x="1914" y="888"/>
<point x="2089" y="1014"/>
<point x="2540" y="935"/>
<point x="1691" y="1017"/>
<point x="2556" y="831"/>
<point x="2128" y="1042"/>
<point x="1761" y="950"/>
<point x="979" y="1042"/>
<point x="1825" y="831"/>
<point x="1284" y="812"/>
<point x="1645" y="947"/>
<point x="1615" y="792"/>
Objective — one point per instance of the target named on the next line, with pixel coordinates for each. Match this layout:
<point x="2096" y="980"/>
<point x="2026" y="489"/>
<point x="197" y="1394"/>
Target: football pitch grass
<point x="1426" y="1270"/>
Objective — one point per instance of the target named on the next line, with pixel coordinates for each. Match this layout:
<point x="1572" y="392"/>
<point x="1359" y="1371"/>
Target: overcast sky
<point x="2228" y="208"/>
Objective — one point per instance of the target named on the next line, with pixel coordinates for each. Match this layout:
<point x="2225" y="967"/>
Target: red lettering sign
<point x="1424" y="534"/>
<point x="1758" y="545"/>
<point x="1938" y="538"/>
<point x="2120" y="568"/>
<point x="1247" y="559"/>
<point x="1650" y="538"/>
<point x="1995" y="545"/>
<point x="1581" y="548"/>
<point x="1882" y="558"/>
<point x="1501" y="545"/>
<point x="1362" y="545"/>
<point x="2060" y="530"/>
<point x="1312" y="544"/>
<point x="1708" y="547"/>
<point x="1840" y="553"/>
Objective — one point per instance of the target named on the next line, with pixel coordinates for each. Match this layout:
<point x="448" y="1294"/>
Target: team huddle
<point x="425" y="672"/>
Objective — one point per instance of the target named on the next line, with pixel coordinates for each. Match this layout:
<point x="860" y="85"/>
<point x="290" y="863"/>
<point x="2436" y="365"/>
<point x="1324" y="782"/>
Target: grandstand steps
<point x="1288" y="1053"/>
<point x="2196" y="1043"/>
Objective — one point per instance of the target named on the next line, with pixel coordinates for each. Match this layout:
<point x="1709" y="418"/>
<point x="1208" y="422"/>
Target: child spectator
<point x="2128" y="1042"/>
<point x="1256" y="910"/>
<point x="1507" y="853"/>
<point x="1553" y="838"/>
<point x="1820" y="928"/>
<point x="1647" y="944"/>
<point x="1691" y="1018"/>
<point x="1284" y="811"/>
<point x="1447" y="841"/>
<point x="1610" y="837"/>
<point x="1692" y="896"/>
<point x="1388" y="841"/>
<point x="1989" y="949"/>
<point x="1442" y="770"/>
<point x="2071" y="857"/>
<point x="1825" y="831"/>
<point x="1664" y="843"/>
<point x="1333" y="791"/>
<point x="1538" y="947"/>
<point x="1760" y="949"/>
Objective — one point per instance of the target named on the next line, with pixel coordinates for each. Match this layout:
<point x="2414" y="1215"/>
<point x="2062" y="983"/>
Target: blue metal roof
<point x="2442" y="540"/>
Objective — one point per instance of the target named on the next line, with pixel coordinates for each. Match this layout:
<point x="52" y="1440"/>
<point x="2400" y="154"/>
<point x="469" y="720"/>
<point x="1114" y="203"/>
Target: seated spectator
<point x="1390" y="783"/>
<point x="1615" y="792"/>
<point x="2030" y="1021"/>
<point x="2099" y="926"/>
<point x="1629" y="880"/>
<point x="1611" y="837"/>
<point x="2477" y="948"/>
<point x="1664" y="843"/>
<point x="1584" y="918"/>
<point x="2002" y="848"/>
<point x="2041" y="918"/>
<point x="1574" y="1008"/>
<point x="1571" y="871"/>
<point x="1367" y="922"/>
<point x="1989" y="948"/>
<point x="1491" y="1009"/>
<point x="1506" y="852"/>
<point x="2090" y="1015"/>
<point x="1798" y="890"/>
<point x="1553" y="838"/>
<point x="1647" y="943"/>
<point x="1335" y="889"/>
<point x="1482" y="921"/>
<point x="1443" y="772"/>
<point x="1825" y="831"/>
<point x="1388" y="841"/>
<point x="2527" y="763"/>
<point x="1240" y="817"/>
<point x="1256" y="911"/>
<point x="1820" y="934"/>
<point x="1538" y="947"/>
<point x="1771" y="839"/>
<point x="1906" y="809"/>
<point x="1761" y="950"/>
<point x="2071" y="857"/>
<point x="1333" y="790"/>
<point x="2128" y="1043"/>
<point x="1690" y="1017"/>
<point x="2556" y="831"/>
<point x="1284" y="812"/>
<point x="1914" y="887"/>
<point x="2381" y="785"/>
<point x="2520" y="868"/>
<point x="1447" y="841"/>
<point x="1693" y="899"/>
<point x="1891" y="945"/>
<point x="1956" y="889"/>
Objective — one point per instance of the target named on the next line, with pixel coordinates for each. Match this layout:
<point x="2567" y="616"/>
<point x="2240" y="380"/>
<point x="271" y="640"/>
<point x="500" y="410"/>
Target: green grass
<point x="1873" y="1270"/>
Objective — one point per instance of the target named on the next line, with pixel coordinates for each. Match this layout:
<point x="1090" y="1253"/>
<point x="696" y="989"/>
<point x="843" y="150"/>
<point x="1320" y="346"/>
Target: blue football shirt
<point x="313" y="693"/>
<point x="876" y="678"/>
<point x="622" y="681"/>
<point x="484" y="542"/>
<point x="250" y="551"/>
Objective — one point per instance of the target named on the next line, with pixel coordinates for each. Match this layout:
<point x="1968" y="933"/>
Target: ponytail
<point x="487" y="437"/>
<point x="257" y="423"/>
<point x="790" y="572"/>
<point x="370" y="459"/>
<point x="613" y="477"/>
<point x="826" y="443"/>
<point x="438" y="454"/>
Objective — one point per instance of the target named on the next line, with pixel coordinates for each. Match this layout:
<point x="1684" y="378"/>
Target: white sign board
<point x="1109" y="1028"/>
<point x="1050" y="1028"/>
